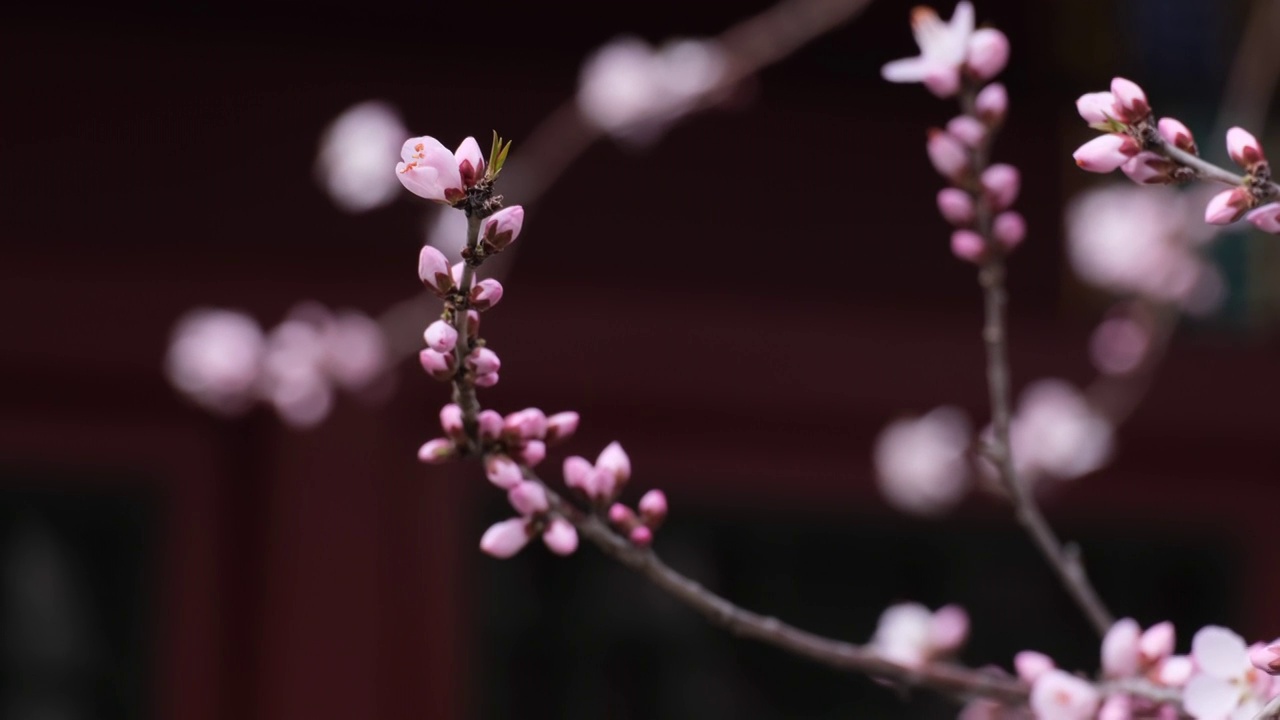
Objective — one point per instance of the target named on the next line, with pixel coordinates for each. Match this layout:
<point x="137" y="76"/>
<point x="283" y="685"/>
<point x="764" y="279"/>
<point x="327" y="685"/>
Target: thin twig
<point x="464" y="391"/>
<point x="1271" y="711"/>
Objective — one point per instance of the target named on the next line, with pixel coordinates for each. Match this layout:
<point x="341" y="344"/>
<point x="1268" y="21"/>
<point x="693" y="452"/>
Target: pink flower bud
<point x="502" y="228"/>
<point x="1097" y="108"/>
<point x="486" y="294"/>
<point x="1116" y="707"/>
<point x="1105" y="152"/>
<point x="948" y="154"/>
<point x="1177" y="135"/>
<point x="483" y="361"/>
<point x="948" y="629"/>
<point x="956" y="206"/>
<point x="533" y="452"/>
<point x="1009" y="228"/>
<point x="438" y="365"/>
<point x="1266" y="658"/>
<point x="641" y="536"/>
<point x="528" y="498"/>
<point x="987" y="54"/>
<point x="1058" y="695"/>
<point x="504" y="539"/>
<point x="1148" y="168"/>
<point x="456" y="271"/>
<point x="1175" y="670"/>
<point x="433" y="269"/>
<point x="1266" y="218"/>
<point x="486" y="380"/>
<point x="1131" y="101"/>
<point x="502" y="471"/>
<point x="968" y="245"/>
<point x="561" y="537"/>
<point x="1030" y="665"/>
<point x="1227" y="206"/>
<point x="470" y="161"/>
<point x="441" y="336"/>
<point x="437" y="451"/>
<point x="653" y="508"/>
<point x="451" y="421"/>
<point x="620" y="514"/>
<point x="614" y="468"/>
<point x="991" y="104"/>
<point x="581" y="474"/>
<point x="1120" y="649"/>
<point x="1002" y="182"/>
<point x="1244" y="148"/>
<point x="561" y="426"/>
<point x="473" y="324"/>
<point x="490" y="424"/>
<point x="429" y="170"/>
<point x="527" y="424"/>
<point x="968" y="129"/>
<point x="1156" y="643"/>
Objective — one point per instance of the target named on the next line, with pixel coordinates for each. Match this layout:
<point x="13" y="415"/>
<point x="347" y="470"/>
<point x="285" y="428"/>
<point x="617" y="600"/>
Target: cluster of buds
<point x="529" y="498"/>
<point x="520" y="438"/>
<point x="428" y="170"/>
<point x="640" y="527"/>
<point x="1221" y="678"/>
<point x="955" y="58"/>
<point x="1147" y="151"/>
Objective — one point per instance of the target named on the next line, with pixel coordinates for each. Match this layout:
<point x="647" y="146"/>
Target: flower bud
<point x="1131" y="101"/>
<point x="470" y="161"/>
<point x="1177" y="135"/>
<point x="433" y="269"/>
<point x="956" y="206"/>
<point x="653" y="508"/>
<point x="614" y="468"/>
<point x="1030" y="665"/>
<point x="987" y="54"/>
<point x="1156" y="643"/>
<point x="948" y="155"/>
<point x="502" y="228"/>
<point x="1106" y="152"/>
<point x="640" y="536"/>
<point x="1097" y="108"/>
<point x="991" y="104"/>
<point x="1244" y="148"/>
<point x="504" y="539"/>
<point x="1120" y="649"/>
<point x="502" y="471"/>
<point x="1116" y="707"/>
<point x="1009" y="229"/>
<point x="1266" y="218"/>
<point x="967" y="129"/>
<point x="1227" y="206"/>
<point x="437" y="451"/>
<point x="486" y="380"/>
<point x="1266" y="658"/>
<point x="581" y="474"/>
<point x="441" y="336"/>
<point x="1148" y="168"/>
<point x="561" y="426"/>
<point x="438" y="365"/>
<point x="528" y="498"/>
<point x="948" y="629"/>
<point x="561" y="538"/>
<point x="486" y="294"/>
<point x="527" y="424"/>
<point x="533" y="452"/>
<point x="968" y="245"/>
<point x="490" y="424"/>
<point x="1002" y="182"/>
<point x="451" y="421"/>
<point x="621" y="515"/>
<point x="483" y="361"/>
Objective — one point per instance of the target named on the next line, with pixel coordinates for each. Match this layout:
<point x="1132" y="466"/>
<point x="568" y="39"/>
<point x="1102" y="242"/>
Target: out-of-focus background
<point x="745" y="303"/>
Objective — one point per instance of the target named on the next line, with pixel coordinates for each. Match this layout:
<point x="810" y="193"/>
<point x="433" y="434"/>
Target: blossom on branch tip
<point x="987" y="53"/>
<point x="1266" y="218"/>
<point x="1244" y="148"/>
<point x="943" y="49"/>
<point x="471" y="162"/>
<point x="561" y="426"/>
<point x="428" y="170"/>
<point x="433" y="269"/>
<point x="441" y="336"/>
<point x="956" y="206"/>
<point x="653" y="508"/>
<point x="1058" y="695"/>
<point x="505" y="539"/>
<point x="1131" y="102"/>
<point x="602" y="481"/>
<point x="1106" y="152"/>
<point x="437" y="451"/>
<point x="949" y="156"/>
<point x="502" y="228"/>
<point x="1227" y="206"/>
<point x="486" y="294"/>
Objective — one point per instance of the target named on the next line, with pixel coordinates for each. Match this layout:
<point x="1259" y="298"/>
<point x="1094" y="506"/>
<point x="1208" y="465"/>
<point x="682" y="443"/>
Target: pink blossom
<point x="486" y="294"/>
<point x="355" y="150"/>
<point x="909" y="634"/>
<point x="561" y="426"/>
<point x="441" y="336"/>
<point x="1030" y="665"/>
<point x="502" y="228"/>
<point x="1009" y="228"/>
<point x="437" y="451"/>
<point x="433" y="269"/>
<point x="505" y="539"/>
<point x="560" y="537"/>
<point x="968" y="129"/>
<point x="1116" y="707"/>
<point x="1266" y="218"/>
<point x="1120" y="649"/>
<point x="438" y="365"/>
<point x="653" y="508"/>
<point x="1177" y="135"/>
<point x="619" y="514"/>
<point x="1227" y="206"/>
<point x="533" y="452"/>
<point x="614" y="469"/>
<point x="1131" y="101"/>
<point x="484" y="361"/>
<point x="490" y="422"/>
<point x="1244" y="148"/>
<point x="1174" y="671"/>
<point x="1002" y="182"/>
<point x="581" y="474"/>
<point x="1106" y="152"/>
<point x="992" y="103"/>
<point x="294" y="377"/>
<point x="948" y="155"/>
<point x="355" y="350"/>
<point x="640" y="535"/>
<point x="949" y="629"/>
<point x="1057" y="695"/>
<point x="215" y="357"/>
<point x="451" y="421"/>
<point x="502" y="471"/>
<point x="956" y="206"/>
<point x="920" y="462"/>
<point x="527" y="424"/>
<point x="471" y="163"/>
<point x="1118" y="345"/>
<point x="987" y="54"/>
<point x="1097" y="108"/>
<point x="1156" y="643"/>
<point x="528" y="498"/>
<point x="1056" y="432"/>
<point x="1226" y="684"/>
<point x="943" y="48"/>
<point x="486" y="380"/>
<point x="430" y="171"/>
<point x="1148" y="168"/>
<point x="968" y="245"/>
<point x="1266" y="657"/>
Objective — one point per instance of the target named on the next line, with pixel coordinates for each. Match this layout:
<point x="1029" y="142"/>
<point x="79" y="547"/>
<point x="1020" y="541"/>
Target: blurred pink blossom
<point x="1225" y="684"/>
<point x="910" y="634"/>
<point x="1058" y="695"/>
<point x="355" y="151"/>
<point x="920" y="463"/>
<point x="1119" y="345"/>
<point x="943" y="49"/>
<point x="215" y="357"/>
<point x="1056" y="433"/>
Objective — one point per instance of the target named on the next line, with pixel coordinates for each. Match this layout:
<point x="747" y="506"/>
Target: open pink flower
<point x="1226" y="686"/>
<point x="430" y="171"/>
<point x="943" y="49"/>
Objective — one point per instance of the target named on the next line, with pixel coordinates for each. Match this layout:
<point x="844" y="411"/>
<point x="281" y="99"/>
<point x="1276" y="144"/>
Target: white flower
<point x="1226" y="685"/>
<point x="943" y="46"/>
<point x="920" y="463"/>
